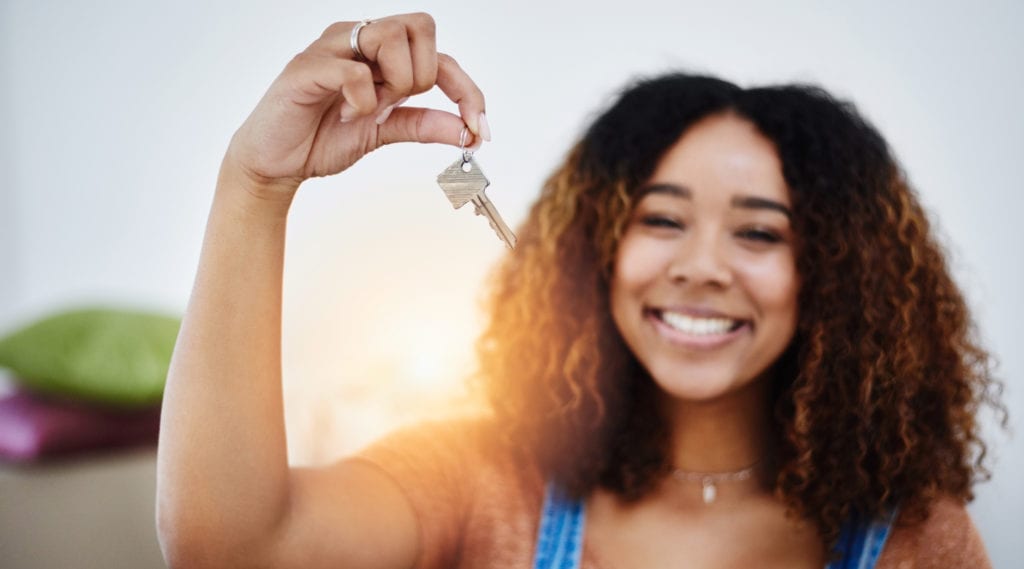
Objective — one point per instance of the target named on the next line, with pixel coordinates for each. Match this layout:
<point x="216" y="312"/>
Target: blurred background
<point x="116" y="114"/>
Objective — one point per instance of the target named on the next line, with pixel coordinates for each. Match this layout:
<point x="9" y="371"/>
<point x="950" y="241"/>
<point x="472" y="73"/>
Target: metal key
<point x="463" y="182"/>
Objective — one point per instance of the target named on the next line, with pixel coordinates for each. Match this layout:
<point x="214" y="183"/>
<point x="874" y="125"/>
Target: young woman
<point x="726" y="338"/>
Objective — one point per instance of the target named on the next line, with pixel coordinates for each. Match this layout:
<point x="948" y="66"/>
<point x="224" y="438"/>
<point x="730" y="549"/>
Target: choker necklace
<point x="708" y="479"/>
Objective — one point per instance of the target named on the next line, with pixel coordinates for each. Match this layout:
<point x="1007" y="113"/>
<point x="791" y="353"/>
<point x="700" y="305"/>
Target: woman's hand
<point x="327" y="109"/>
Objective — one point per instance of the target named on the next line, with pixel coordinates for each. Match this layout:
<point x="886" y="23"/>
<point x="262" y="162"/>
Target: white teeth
<point x="697" y="326"/>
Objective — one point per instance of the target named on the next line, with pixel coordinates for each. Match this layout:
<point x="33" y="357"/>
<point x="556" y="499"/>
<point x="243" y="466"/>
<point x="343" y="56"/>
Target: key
<point x="464" y="182"/>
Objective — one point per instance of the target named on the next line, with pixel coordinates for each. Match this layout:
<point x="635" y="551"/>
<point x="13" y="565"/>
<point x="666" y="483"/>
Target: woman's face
<point x="704" y="289"/>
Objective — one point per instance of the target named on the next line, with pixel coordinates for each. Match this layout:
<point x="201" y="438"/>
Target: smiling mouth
<point x="696" y="325"/>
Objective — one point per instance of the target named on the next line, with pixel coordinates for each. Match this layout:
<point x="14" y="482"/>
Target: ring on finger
<point x="354" y="39"/>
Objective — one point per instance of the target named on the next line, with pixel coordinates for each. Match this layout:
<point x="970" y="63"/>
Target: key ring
<point x="467" y="155"/>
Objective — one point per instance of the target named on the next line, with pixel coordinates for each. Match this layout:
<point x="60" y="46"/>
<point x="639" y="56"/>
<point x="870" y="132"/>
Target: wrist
<point x="259" y="192"/>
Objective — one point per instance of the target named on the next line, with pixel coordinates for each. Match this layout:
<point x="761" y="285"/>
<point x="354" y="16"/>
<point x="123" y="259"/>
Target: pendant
<point x="709" y="492"/>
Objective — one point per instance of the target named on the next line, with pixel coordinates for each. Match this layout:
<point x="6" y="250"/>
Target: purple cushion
<point x="33" y="426"/>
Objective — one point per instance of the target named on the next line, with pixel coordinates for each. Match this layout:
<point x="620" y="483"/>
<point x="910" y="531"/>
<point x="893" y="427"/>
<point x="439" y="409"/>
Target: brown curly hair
<point x="875" y="399"/>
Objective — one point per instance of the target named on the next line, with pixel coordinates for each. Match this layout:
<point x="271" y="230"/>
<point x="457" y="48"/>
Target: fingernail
<point x="348" y="112"/>
<point x="485" y="129"/>
<point x="383" y="116"/>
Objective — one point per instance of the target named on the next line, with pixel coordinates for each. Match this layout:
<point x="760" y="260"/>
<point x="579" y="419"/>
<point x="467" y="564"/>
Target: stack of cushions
<point x="85" y="379"/>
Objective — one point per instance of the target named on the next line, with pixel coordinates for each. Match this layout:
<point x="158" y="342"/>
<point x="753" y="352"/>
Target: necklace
<point x="708" y="480"/>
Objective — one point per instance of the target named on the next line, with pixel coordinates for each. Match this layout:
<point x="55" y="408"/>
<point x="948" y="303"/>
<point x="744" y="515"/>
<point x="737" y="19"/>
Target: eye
<point x="760" y="235"/>
<point x="660" y="221"/>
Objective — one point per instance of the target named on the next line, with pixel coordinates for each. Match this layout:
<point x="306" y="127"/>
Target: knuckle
<point x="357" y="71"/>
<point x="423" y="22"/>
<point x="445" y="59"/>
<point x="473" y="97"/>
<point x="362" y="72"/>
<point x="418" y="127"/>
<point x="422" y="85"/>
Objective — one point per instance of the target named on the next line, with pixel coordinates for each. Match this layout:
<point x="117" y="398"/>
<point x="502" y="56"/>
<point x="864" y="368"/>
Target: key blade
<point x="459" y="185"/>
<point x="485" y="208"/>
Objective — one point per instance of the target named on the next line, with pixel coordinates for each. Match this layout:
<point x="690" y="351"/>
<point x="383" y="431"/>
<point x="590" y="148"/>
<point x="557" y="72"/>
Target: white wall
<point x="115" y="115"/>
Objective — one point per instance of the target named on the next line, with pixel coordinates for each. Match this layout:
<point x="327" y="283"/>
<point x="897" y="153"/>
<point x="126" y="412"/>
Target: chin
<point x="694" y="388"/>
<point x="699" y="386"/>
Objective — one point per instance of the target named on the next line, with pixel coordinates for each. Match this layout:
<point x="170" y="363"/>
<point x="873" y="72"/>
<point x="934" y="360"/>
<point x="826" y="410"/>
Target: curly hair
<point x="875" y="399"/>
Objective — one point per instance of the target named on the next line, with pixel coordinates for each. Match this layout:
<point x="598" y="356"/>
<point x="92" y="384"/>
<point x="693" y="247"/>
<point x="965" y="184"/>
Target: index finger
<point x="458" y="87"/>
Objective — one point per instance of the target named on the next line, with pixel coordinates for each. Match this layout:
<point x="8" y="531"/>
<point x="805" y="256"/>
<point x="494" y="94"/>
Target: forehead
<point x="724" y="155"/>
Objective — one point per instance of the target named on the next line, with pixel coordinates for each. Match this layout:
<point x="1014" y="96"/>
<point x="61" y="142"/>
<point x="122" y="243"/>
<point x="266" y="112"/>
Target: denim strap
<point x="560" y="537"/>
<point x="861" y="542"/>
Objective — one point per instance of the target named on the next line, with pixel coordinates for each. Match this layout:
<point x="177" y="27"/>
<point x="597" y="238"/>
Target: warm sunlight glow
<point x="379" y="330"/>
<point x="425" y="365"/>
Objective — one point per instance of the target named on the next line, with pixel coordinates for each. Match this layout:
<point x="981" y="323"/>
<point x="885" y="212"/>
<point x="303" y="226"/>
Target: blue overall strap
<point x="861" y="542"/>
<point x="560" y="537"/>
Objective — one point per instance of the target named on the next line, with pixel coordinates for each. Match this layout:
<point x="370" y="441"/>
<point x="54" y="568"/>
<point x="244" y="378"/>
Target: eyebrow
<point x="743" y="202"/>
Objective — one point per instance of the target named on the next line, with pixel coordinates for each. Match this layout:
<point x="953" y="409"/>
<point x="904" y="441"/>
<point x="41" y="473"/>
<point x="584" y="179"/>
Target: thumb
<point x="412" y="124"/>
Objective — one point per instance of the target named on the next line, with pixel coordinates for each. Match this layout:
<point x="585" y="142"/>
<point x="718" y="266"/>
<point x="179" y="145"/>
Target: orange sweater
<point x="480" y="509"/>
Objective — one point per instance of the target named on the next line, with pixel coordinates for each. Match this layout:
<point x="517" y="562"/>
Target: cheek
<point x="775" y="283"/>
<point x="639" y="262"/>
<point x="637" y="268"/>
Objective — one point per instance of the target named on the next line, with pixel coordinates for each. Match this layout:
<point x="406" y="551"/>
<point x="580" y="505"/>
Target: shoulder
<point x="462" y="461"/>
<point x="947" y="538"/>
<point x="472" y="495"/>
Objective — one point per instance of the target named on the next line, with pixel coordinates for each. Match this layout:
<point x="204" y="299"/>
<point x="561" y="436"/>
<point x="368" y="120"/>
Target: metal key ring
<point x="467" y="155"/>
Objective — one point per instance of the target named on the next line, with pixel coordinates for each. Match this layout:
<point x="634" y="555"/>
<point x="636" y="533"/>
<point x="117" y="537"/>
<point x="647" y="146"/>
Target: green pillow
<point x="108" y="356"/>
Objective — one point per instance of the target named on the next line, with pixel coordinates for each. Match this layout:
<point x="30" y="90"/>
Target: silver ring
<point x="353" y="40"/>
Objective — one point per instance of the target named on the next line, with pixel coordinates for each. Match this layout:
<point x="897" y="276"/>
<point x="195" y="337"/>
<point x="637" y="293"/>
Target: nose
<point x="701" y="260"/>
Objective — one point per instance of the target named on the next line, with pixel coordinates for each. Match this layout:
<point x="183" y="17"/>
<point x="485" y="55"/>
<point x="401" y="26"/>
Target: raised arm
<point x="226" y="496"/>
